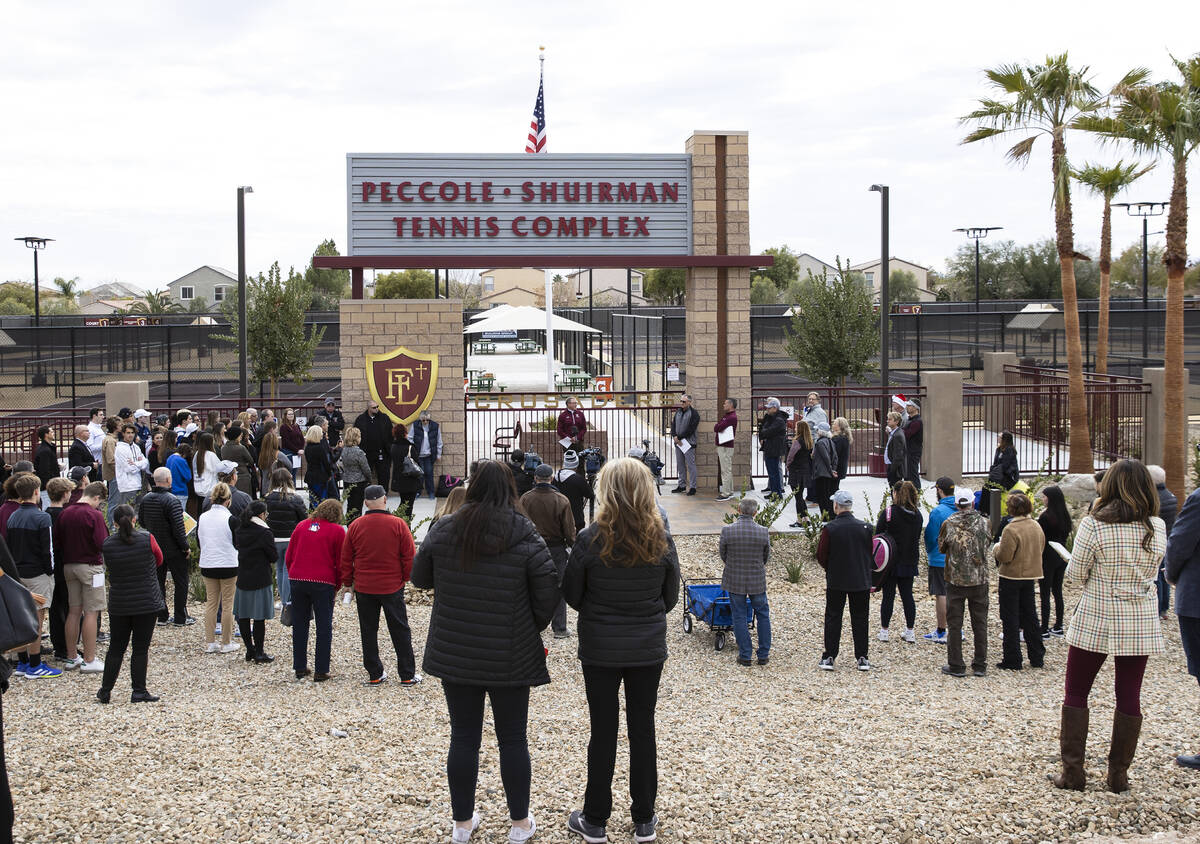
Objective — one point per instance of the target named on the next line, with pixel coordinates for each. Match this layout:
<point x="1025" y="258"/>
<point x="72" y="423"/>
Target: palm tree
<point x="1048" y="99"/>
<point x="1159" y="118"/>
<point x="1107" y="182"/>
<point x="156" y="303"/>
<point x="67" y="287"/>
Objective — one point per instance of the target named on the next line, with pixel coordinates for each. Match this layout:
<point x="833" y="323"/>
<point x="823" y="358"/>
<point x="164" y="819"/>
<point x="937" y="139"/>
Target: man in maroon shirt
<point x="572" y="425"/>
<point x="81" y="532"/>
<point x="376" y="563"/>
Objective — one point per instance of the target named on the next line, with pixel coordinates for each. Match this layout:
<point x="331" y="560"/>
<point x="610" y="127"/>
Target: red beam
<point x="472" y="262"/>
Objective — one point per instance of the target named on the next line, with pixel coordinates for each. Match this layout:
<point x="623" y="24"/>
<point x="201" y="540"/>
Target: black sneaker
<point x="589" y="832"/>
<point x="675" y="490"/>
<point x="1057" y="631"/>
<point x="979" y="672"/>
<point x="648" y="831"/>
<point x="691" y="491"/>
<point x="953" y="672"/>
<point x="1046" y="635"/>
<point x="745" y="662"/>
<point x="826" y="663"/>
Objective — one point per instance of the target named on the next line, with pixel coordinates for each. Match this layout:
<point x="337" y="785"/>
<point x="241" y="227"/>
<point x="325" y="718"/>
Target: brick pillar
<point x="1001" y="415"/>
<point x="1156" y="403"/>
<point x="942" y="415"/>
<point x="718" y="300"/>
<point x="130" y="394"/>
<point x="428" y="326"/>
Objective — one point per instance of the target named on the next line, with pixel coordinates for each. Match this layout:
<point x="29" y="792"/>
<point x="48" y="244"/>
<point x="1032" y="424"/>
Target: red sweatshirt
<point x="314" y="552"/>
<point x="378" y="554"/>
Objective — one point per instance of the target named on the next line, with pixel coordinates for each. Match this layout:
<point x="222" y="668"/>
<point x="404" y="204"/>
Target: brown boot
<point x="1125" y="732"/>
<point x="1072" y="741"/>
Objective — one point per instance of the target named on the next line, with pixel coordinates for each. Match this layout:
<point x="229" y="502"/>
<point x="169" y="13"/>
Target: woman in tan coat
<point x="1019" y="555"/>
<point x="1117" y="552"/>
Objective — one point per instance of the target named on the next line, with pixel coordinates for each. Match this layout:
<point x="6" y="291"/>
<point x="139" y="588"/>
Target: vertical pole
<point x="628" y="290"/>
<point x="976" y="349"/>
<point x="170" y="354"/>
<point x="37" y="299"/>
<point x="435" y="284"/>
<point x="883" y="300"/>
<point x="243" y="388"/>
<point x="356" y="283"/>
<point x="1145" y="288"/>
<point x="73" y="401"/>
<point x="549" y="284"/>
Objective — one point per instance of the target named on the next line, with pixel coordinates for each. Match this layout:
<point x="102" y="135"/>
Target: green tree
<point x="1048" y="99"/>
<point x="277" y="343"/>
<point x="784" y="271"/>
<point x="665" y="285"/>
<point x="1107" y="182"/>
<point x="835" y="332"/>
<point x="469" y="293"/>
<point x="404" y="284"/>
<point x="1164" y="119"/>
<point x="903" y="287"/>
<point x="763" y="291"/>
<point x="1127" y="271"/>
<point x="159" y="302"/>
<point x="328" y="286"/>
<point x="198" y="305"/>
<point x="69" y="288"/>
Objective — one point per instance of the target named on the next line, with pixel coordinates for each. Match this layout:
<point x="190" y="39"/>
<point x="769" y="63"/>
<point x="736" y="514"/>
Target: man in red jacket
<point x="376" y="563"/>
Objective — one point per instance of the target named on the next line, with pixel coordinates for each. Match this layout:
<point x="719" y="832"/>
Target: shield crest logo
<point x="402" y="382"/>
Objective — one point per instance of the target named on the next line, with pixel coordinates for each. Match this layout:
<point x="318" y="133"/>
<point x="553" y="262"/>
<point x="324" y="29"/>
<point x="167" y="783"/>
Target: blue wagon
<point x="706" y="601"/>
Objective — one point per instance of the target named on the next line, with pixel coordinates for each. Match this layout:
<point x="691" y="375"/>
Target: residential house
<point x="112" y="291"/>
<point x="105" y="307"/>
<point x="608" y="284"/>
<point x="511" y="286"/>
<point x="807" y="263"/>
<point x="212" y="284"/>
<point x="870" y="271"/>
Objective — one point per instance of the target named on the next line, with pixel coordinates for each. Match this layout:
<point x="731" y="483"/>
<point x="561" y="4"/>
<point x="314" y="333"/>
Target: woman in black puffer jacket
<point x="495" y="590"/>
<point x="623" y="578"/>
<point x="131" y="561"/>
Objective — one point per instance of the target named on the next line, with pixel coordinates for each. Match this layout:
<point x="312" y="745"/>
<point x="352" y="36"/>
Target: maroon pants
<point x="1082" y="667"/>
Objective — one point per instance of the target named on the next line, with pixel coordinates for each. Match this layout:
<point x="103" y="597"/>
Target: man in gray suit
<point x="745" y="550"/>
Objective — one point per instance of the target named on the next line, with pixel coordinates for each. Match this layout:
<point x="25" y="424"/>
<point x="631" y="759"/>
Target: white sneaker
<point x="909" y="636"/>
<point x="230" y="648"/>
<point x="212" y="648"/>
<point x="884" y="635"/>
<point x="461" y="835"/>
<point x="516" y="835"/>
<point x="93" y="667"/>
<point x="72" y="664"/>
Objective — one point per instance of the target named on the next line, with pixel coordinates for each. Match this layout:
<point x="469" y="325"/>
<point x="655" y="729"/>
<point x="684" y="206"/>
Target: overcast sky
<point x="128" y="126"/>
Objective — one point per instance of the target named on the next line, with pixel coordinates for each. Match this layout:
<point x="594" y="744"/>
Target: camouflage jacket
<point x="965" y="540"/>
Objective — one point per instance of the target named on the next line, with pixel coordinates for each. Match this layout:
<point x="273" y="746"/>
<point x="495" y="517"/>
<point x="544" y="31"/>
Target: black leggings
<point x="1052" y="584"/>
<point x="121" y="629"/>
<point x="905" y="585"/>
<point x="254" y="634"/>
<point x="510" y="714"/>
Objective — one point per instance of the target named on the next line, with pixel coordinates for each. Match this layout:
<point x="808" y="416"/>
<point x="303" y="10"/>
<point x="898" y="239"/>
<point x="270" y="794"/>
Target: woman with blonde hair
<point x="448" y="505"/>
<point x="318" y="465"/>
<point x="356" y="471"/>
<point x="1118" y="549"/>
<point x="799" y="470"/>
<point x="623" y="579"/>
<point x="218" y="567"/>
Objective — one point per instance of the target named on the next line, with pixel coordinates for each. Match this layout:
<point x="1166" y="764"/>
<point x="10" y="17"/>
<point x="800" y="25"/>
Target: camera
<point x="592" y="459"/>
<point x="532" y="461"/>
<point x="651" y="460"/>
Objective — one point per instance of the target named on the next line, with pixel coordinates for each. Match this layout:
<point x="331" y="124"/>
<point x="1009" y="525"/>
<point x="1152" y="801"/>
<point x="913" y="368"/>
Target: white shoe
<point x="461" y="835"/>
<point x="72" y="664"/>
<point x="884" y="635"/>
<point x="212" y="648"/>
<point x="230" y="648"/>
<point x="516" y="835"/>
<point x="93" y="667"/>
<point x="909" y="636"/>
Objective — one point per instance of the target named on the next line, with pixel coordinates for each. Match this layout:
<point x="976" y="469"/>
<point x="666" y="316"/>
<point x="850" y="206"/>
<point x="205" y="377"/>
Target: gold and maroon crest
<point x="402" y="382"/>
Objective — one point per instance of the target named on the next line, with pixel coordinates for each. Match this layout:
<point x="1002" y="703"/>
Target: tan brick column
<point x="428" y="326"/>
<point x="942" y="418"/>
<point x="718" y="300"/>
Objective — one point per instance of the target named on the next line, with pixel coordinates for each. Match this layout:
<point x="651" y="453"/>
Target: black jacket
<point x="376" y="434"/>
<point x="257" y="554"/>
<point x="79" y="455"/>
<point x="1054" y="532"/>
<point x="485" y="626"/>
<point x="161" y="513"/>
<point x="132" y="576"/>
<point x="318" y="462"/>
<point x="576" y="489"/>
<point x="799" y="470"/>
<point x="841" y="448"/>
<point x="622" y="610"/>
<point x="1168" y="506"/>
<point x="690" y="424"/>
<point x="31" y="540"/>
<point x="523" y="479"/>
<point x="337" y="423"/>
<point x="905" y="529"/>
<point x="1004" y="469"/>
<point x="398" y="451"/>
<point x="844" y="552"/>
<point x="284" y="512"/>
<point x="772" y="434"/>
<point x="45" y="463"/>
<point x="897" y="450"/>
<point x="824" y="458"/>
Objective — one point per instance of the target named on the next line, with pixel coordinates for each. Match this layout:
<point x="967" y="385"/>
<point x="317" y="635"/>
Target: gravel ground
<point x="238" y="752"/>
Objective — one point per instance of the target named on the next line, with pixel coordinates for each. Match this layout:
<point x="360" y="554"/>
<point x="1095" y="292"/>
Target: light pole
<point x="977" y="233"/>
<point x="883" y="296"/>
<point x="36" y="244"/>
<point x="1145" y="210"/>
<point x="243" y="390"/>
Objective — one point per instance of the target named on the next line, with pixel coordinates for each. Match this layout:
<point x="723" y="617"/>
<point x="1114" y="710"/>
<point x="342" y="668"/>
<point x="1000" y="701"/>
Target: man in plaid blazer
<point x="745" y="550"/>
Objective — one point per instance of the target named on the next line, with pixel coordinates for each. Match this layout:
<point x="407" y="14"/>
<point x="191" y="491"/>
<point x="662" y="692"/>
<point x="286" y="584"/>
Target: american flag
<point x="536" y="142"/>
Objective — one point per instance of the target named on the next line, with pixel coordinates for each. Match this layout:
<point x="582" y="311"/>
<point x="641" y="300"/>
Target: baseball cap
<point x="543" y="471"/>
<point x="964" y="496"/>
<point x="843" y="498"/>
<point x="140" y="412"/>
<point x="78" y="473"/>
<point x="373" y="492"/>
<point x="570" y="460"/>
<point x="226" y="467"/>
<point x="331" y="403"/>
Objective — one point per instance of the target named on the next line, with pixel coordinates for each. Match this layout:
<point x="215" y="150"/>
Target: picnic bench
<point x="572" y="382"/>
<point x="483" y="347"/>
<point x="481" y="382"/>
<point x="528" y="347"/>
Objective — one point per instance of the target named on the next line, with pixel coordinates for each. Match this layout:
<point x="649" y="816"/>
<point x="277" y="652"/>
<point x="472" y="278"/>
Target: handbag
<point x="411" y="469"/>
<point x="19" y="623"/>
<point x="285" y="615"/>
<point x="445" y="484"/>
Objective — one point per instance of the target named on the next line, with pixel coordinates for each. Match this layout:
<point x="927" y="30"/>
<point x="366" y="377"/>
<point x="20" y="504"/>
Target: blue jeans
<point x="316" y="598"/>
<point x="289" y="455"/>
<point x="741" y="625"/>
<point x="318" y="492"/>
<point x="774" y="475"/>
<point x="281" y="576"/>
<point x="427" y="467"/>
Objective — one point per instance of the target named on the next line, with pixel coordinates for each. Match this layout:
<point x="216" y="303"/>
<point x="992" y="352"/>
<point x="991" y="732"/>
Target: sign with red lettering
<point x="409" y="204"/>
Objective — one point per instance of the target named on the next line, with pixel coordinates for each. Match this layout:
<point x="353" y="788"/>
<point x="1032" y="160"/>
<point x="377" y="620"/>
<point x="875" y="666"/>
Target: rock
<point x="1079" y="490"/>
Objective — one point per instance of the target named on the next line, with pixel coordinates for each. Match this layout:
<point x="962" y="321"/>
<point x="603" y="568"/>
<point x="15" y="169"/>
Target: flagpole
<point x="549" y="282"/>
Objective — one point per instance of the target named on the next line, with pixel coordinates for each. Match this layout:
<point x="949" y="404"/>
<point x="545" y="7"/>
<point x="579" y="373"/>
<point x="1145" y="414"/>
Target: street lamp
<point x="241" y="261"/>
<point x="36" y="244"/>
<point x="1145" y="210"/>
<point x="977" y="233"/>
<point x="883" y="295"/>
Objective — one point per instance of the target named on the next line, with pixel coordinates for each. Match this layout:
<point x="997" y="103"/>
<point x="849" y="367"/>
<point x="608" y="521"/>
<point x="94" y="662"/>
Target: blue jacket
<point x="1182" y="560"/>
<point x="940" y="513"/>
<point x="181" y="473"/>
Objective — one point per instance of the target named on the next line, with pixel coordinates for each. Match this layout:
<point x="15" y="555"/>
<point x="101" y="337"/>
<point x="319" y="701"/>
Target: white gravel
<point x="239" y="752"/>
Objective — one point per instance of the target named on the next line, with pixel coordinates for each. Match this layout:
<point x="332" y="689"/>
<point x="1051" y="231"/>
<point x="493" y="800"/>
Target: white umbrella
<point x="525" y="318"/>
<point x="491" y="312"/>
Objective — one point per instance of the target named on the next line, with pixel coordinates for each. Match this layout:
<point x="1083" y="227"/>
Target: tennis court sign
<point x="556" y="204"/>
